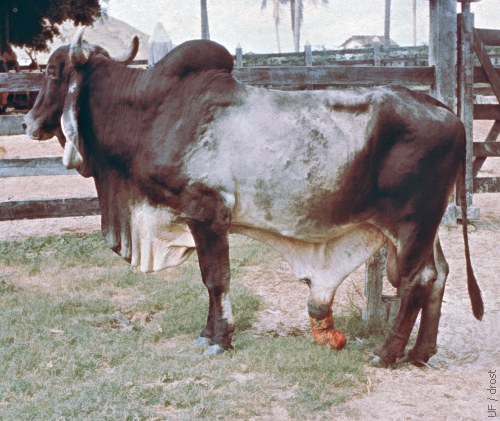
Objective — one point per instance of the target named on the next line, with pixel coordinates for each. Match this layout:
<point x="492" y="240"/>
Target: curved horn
<point x="130" y="54"/>
<point x="78" y="55"/>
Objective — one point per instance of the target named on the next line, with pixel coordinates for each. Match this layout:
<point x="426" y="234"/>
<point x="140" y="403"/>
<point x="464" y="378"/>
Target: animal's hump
<point x="195" y="56"/>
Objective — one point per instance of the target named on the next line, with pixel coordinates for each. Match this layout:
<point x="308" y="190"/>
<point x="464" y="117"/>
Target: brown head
<point x="55" y="112"/>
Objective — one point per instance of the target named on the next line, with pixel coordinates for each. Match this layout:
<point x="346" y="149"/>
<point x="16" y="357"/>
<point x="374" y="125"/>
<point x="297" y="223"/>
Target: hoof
<point x="214" y="350"/>
<point x="375" y="360"/>
<point x="382" y="358"/>
<point x="414" y="360"/>
<point x="202" y="342"/>
<point x="420" y="359"/>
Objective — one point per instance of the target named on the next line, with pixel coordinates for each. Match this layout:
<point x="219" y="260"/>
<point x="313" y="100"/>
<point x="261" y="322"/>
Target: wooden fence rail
<point x="31" y="167"/>
<point x="322" y="76"/>
<point x="325" y="76"/>
<point x="289" y="77"/>
<point x="49" y="208"/>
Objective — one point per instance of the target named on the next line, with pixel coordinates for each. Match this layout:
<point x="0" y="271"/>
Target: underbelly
<point x="326" y="259"/>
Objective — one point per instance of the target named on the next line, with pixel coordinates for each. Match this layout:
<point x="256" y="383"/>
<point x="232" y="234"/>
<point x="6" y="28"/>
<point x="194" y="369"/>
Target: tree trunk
<point x="415" y="23"/>
<point x="205" y="34"/>
<point x="276" y="16"/>
<point x="296" y="6"/>
<point x="4" y="27"/>
<point x="387" y="25"/>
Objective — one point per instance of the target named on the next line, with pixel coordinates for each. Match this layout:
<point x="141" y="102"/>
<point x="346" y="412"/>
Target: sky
<point x="234" y="22"/>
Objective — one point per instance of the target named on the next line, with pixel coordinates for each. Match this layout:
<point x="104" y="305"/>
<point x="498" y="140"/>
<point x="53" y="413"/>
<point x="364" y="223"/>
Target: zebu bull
<point x="182" y="155"/>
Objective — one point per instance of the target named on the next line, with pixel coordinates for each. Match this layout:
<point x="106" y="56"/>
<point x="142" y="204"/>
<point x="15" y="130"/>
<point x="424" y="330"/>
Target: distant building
<point x="364" y="41"/>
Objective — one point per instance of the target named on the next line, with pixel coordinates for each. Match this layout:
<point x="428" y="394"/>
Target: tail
<point x="474" y="291"/>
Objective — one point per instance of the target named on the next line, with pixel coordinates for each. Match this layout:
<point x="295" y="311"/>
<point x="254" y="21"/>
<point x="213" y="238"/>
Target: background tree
<point x="32" y="24"/>
<point x="276" y="18"/>
<point x="414" y="22"/>
<point x="296" y="13"/>
<point x="387" y="25"/>
<point x="205" y="33"/>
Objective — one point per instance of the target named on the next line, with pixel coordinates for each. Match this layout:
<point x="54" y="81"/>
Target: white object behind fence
<point x="158" y="45"/>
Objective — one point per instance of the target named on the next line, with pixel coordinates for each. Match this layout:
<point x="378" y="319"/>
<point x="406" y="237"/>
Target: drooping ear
<point x="72" y="157"/>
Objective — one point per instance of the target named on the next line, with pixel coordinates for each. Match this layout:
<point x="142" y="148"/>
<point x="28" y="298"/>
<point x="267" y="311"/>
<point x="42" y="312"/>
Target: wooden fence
<point x="372" y="56"/>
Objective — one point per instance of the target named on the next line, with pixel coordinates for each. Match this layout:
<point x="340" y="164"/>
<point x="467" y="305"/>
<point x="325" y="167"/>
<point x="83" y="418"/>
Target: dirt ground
<point x="457" y="384"/>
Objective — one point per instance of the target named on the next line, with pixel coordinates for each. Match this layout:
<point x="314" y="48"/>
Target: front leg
<point x="212" y="246"/>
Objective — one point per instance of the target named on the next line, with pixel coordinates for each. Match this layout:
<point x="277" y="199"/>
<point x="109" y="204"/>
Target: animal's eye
<point x="51" y="71"/>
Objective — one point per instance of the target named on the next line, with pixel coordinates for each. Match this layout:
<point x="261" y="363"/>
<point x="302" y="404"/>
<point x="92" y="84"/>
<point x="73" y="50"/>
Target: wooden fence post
<point x="376" y="51"/>
<point x="308" y="54"/>
<point x="443" y="49"/>
<point x="465" y="96"/>
<point x="443" y="56"/>
<point x="239" y="56"/>
<point x="374" y="312"/>
<point x="373" y="291"/>
<point x="379" y="309"/>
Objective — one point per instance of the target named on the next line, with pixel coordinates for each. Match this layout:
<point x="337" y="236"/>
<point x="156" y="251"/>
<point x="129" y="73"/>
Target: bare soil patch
<point x="455" y="384"/>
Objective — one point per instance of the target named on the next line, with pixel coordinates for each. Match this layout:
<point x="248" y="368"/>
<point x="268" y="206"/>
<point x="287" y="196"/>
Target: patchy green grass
<point x="83" y="336"/>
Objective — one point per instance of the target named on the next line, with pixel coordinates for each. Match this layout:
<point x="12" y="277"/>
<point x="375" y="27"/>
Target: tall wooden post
<point x="443" y="56"/>
<point x="376" y="52"/>
<point x="465" y="94"/>
<point x="239" y="56"/>
<point x="443" y="49"/>
<point x="308" y="54"/>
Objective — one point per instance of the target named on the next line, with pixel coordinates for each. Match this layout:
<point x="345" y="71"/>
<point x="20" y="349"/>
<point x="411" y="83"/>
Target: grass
<point x="85" y="337"/>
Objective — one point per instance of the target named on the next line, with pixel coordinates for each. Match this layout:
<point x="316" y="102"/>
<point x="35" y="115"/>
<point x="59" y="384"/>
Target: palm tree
<point x="387" y="25"/>
<point x="205" y="34"/>
<point x="276" y="18"/>
<point x="414" y="22"/>
<point x="296" y="12"/>
<point x="296" y="9"/>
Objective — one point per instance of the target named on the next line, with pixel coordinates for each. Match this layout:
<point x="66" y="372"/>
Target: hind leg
<point x="415" y="268"/>
<point x="394" y="346"/>
<point x="425" y="347"/>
